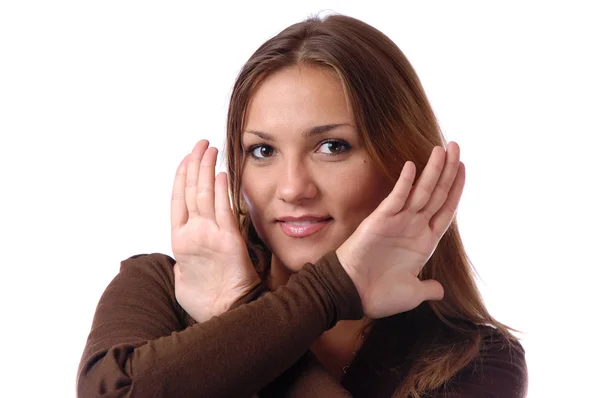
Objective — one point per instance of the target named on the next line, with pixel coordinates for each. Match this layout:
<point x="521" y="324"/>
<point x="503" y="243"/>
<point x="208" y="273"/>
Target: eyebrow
<point x="317" y="130"/>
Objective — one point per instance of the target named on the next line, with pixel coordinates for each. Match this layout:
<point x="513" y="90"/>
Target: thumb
<point x="432" y="290"/>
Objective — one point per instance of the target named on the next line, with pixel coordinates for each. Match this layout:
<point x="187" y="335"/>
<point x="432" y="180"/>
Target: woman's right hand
<point x="386" y="253"/>
<point x="213" y="268"/>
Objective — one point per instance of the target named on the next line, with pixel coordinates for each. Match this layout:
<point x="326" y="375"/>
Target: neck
<point x="278" y="274"/>
<point x="337" y="347"/>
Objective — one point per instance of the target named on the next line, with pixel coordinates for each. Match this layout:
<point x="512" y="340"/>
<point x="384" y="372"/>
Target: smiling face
<point x="307" y="180"/>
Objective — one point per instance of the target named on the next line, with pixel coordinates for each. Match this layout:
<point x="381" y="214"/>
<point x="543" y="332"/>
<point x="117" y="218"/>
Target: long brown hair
<point x="396" y="123"/>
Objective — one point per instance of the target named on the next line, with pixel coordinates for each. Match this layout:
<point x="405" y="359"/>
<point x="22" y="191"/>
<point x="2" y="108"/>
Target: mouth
<point x="302" y="228"/>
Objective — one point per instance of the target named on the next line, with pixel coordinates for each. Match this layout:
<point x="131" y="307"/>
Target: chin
<point x="293" y="265"/>
<point x="296" y="264"/>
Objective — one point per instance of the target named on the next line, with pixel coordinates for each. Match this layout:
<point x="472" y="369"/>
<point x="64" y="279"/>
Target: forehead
<point x="298" y="97"/>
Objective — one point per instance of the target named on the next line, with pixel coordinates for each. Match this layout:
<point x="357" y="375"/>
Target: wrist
<point x="340" y="287"/>
<point x="253" y="292"/>
<point x="344" y="258"/>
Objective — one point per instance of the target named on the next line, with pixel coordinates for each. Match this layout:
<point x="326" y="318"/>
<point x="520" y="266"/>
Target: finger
<point x="394" y="202"/>
<point x="205" y="194"/>
<point x="191" y="178"/>
<point x="427" y="181"/>
<point x="179" y="213"/>
<point x="432" y="290"/>
<point x="444" y="184"/>
<point x="223" y="212"/>
<point x="442" y="219"/>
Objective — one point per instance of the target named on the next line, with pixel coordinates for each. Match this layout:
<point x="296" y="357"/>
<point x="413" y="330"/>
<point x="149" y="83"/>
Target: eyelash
<point x="345" y="145"/>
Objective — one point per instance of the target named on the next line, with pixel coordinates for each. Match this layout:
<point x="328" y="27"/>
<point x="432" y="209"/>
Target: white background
<point x="99" y="101"/>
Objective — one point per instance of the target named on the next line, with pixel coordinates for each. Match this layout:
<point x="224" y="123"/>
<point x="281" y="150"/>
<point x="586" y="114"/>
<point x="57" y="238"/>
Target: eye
<point x="260" y="151"/>
<point x="335" y="147"/>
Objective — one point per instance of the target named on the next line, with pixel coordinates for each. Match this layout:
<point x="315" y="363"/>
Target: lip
<point x="302" y="227"/>
<point x="306" y="217"/>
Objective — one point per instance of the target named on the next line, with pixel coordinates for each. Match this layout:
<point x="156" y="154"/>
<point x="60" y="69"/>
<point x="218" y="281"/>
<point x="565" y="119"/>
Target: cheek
<point x="360" y="193"/>
<point x="356" y="204"/>
<point x="255" y="194"/>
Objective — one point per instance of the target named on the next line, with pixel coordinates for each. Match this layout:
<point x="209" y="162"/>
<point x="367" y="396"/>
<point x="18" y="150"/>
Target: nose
<point x="296" y="183"/>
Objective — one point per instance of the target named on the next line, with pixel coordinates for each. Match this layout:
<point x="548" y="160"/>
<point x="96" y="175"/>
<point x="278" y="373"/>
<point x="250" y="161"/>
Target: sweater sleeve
<point x="139" y="347"/>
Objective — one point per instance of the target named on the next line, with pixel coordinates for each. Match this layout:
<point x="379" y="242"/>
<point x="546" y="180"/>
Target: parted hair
<point x="395" y="122"/>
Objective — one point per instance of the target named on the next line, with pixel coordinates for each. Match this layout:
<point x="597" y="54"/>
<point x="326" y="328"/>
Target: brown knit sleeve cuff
<point x="339" y="286"/>
<point x="252" y="295"/>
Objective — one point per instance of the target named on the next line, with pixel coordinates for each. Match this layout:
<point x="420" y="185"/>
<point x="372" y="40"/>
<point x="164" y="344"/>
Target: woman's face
<point x="307" y="180"/>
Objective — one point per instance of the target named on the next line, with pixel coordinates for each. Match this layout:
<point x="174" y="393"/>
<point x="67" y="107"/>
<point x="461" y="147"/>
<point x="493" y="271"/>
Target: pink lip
<point x="304" y="230"/>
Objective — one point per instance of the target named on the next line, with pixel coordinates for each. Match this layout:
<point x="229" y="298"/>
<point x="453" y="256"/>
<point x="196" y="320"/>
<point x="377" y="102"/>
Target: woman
<point x="348" y="278"/>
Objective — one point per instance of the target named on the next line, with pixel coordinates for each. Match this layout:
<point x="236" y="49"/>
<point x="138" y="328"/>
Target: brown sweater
<point x="143" y="344"/>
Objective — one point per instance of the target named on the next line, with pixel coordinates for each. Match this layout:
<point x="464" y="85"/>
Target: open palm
<point x="386" y="253"/>
<point x="213" y="267"/>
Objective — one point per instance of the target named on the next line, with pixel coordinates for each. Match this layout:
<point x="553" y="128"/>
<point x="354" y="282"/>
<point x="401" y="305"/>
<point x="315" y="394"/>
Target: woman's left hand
<point x="386" y="253"/>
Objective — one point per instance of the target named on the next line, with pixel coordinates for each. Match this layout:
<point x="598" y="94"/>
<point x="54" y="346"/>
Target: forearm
<point x="235" y="354"/>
